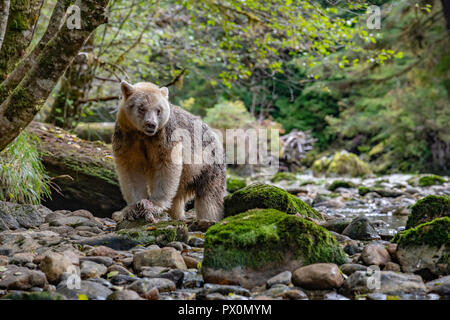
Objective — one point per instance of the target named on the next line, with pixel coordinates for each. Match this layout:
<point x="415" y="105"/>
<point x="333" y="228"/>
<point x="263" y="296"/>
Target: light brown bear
<point x="154" y="172"/>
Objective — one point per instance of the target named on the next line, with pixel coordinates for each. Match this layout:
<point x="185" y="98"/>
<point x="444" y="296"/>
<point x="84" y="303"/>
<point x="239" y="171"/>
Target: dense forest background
<point x="382" y="94"/>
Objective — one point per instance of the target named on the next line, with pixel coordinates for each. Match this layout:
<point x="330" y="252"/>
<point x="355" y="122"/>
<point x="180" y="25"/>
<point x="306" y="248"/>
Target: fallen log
<point x="82" y="171"/>
<point x="101" y="131"/>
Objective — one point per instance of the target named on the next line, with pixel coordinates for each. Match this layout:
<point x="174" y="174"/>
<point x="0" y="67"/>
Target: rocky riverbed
<point x="311" y="238"/>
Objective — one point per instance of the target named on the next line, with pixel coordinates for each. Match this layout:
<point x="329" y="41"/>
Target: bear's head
<point x="146" y="106"/>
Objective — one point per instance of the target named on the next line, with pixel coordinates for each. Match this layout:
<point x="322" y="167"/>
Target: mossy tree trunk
<point x="66" y="110"/>
<point x="27" y="63"/>
<point x="20" y="107"/>
<point x="4" y="13"/>
<point x="22" y="18"/>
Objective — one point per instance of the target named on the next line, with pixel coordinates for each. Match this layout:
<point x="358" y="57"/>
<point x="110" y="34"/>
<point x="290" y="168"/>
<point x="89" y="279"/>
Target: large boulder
<point x="427" y="209"/>
<point x="425" y="249"/>
<point x="264" y="196"/>
<point x="251" y="247"/>
<point x="342" y="163"/>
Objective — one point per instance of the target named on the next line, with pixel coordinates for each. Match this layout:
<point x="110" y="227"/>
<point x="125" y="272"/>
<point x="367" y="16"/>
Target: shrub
<point x="22" y="175"/>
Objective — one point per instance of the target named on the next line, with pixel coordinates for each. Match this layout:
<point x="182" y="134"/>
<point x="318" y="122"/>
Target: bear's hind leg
<point x="176" y="211"/>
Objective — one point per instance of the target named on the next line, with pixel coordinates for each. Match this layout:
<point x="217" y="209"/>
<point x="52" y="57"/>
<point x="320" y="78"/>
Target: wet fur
<point x="146" y="170"/>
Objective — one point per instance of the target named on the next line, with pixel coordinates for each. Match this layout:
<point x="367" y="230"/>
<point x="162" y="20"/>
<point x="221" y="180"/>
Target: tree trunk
<point x="27" y="98"/>
<point x="446" y="9"/>
<point x="82" y="170"/>
<point x="19" y="72"/>
<point x="23" y="15"/>
<point x="75" y="84"/>
<point x="4" y="13"/>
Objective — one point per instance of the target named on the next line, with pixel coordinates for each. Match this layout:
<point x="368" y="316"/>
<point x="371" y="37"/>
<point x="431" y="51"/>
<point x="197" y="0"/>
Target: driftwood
<point x="82" y="171"/>
<point x="295" y="145"/>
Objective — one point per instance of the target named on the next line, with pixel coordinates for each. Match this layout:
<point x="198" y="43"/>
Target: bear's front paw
<point x="141" y="209"/>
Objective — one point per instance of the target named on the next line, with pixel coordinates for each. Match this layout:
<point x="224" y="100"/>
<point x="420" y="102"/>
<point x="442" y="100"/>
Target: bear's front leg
<point x="164" y="186"/>
<point x="141" y="209"/>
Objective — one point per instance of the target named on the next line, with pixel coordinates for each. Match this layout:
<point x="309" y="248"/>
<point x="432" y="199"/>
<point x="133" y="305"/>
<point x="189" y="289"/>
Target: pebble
<point x="374" y="254"/>
<point x="124" y="295"/>
<point x="318" y="276"/>
<point x="165" y="257"/>
<point x="281" y="278"/>
<point x="90" y="269"/>
<point x="54" y="265"/>
<point x="91" y="289"/>
<point x="142" y="286"/>
<point x="106" y="261"/>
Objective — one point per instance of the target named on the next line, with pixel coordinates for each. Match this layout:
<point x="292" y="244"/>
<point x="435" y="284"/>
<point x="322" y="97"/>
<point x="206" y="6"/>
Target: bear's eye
<point x="141" y="109"/>
<point x="158" y="112"/>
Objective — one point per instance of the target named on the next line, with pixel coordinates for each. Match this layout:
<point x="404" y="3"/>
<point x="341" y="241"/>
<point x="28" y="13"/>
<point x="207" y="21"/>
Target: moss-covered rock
<point x="160" y="233"/>
<point x="253" y="246"/>
<point x="340" y="184"/>
<point x="44" y="295"/>
<point x="129" y="234"/>
<point x="427" y="209"/>
<point x="265" y="196"/>
<point x="382" y="192"/>
<point x="342" y="163"/>
<point x="235" y="183"/>
<point x="283" y="176"/>
<point x="431" y="180"/>
<point x="426" y="180"/>
<point x="425" y="249"/>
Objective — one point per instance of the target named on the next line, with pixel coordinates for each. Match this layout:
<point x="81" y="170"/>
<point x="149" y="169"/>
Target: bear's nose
<point x="150" y="125"/>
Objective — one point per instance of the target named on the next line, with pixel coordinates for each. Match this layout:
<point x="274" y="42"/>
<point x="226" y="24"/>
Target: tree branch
<point x="96" y="99"/>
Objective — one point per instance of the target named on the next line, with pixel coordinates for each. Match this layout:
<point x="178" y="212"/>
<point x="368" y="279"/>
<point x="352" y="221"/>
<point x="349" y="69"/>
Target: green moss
<point x="434" y="233"/>
<point x="235" y="183"/>
<point x="431" y="180"/>
<point x="283" y="176"/>
<point x="260" y="238"/>
<point x="345" y="163"/>
<point x="426" y="180"/>
<point x="265" y="196"/>
<point x="320" y="166"/>
<point x="342" y="163"/>
<point x="427" y="209"/>
<point x="341" y="184"/>
<point x="160" y="233"/>
<point x="93" y="169"/>
<point x="45" y="295"/>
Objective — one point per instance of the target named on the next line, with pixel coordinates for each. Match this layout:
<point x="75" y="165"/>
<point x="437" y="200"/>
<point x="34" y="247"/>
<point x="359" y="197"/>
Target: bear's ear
<point x="165" y="92"/>
<point x="127" y="89"/>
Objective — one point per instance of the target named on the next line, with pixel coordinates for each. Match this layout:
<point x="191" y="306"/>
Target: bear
<point x="155" y="168"/>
